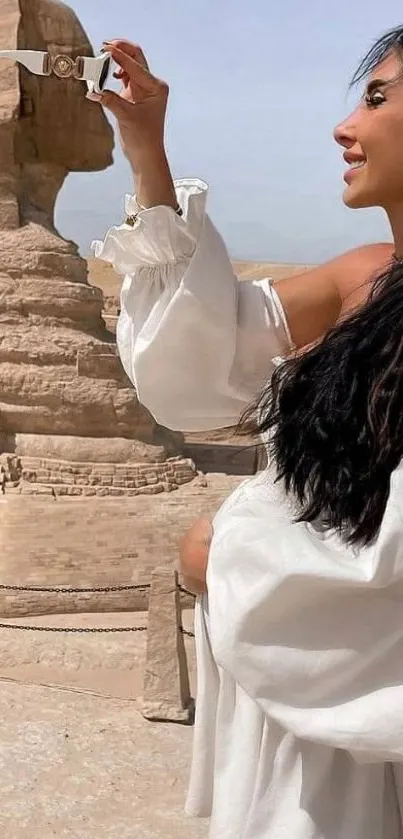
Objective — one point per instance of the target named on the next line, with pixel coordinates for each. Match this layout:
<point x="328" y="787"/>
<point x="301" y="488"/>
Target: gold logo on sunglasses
<point x="65" y="68"/>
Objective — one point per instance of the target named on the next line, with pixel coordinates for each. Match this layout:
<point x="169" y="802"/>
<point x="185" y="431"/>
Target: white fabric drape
<point x="196" y="343"/>
<point x="300" y="661"/>
<point x="299" y="724"/>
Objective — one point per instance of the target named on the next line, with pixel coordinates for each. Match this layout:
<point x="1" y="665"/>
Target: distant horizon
<point x="255" y="121"/>
<point x="102" y="275"/>
<point x="91" y="258"/>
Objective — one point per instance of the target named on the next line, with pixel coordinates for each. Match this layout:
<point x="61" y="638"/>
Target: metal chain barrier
<point x="83" y="630"/>
<point x="68" y="590"/>
<point x="184" y="590"/>
<point x="74" y="629"/>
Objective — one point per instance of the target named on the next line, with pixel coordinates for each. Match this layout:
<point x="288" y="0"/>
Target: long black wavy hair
<point x="334" y="415"/>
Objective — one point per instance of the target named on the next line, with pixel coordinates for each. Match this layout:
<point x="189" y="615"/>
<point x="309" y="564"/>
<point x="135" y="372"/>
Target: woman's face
<point x="372" y="137"/>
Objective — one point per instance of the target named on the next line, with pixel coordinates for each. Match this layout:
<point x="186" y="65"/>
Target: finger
<point x="123" y="77"/>
<point x="119" y="55"/>
<point x="133" y="50"/>
<point x="137" y="72"/>
<point x="118" y="106"/>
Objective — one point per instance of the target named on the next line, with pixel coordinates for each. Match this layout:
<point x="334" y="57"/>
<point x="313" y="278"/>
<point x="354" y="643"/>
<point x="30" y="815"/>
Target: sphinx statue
<point x="63" y="392"/>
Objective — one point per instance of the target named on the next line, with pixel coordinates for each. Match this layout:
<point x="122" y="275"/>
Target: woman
<point x="299" y="729"/>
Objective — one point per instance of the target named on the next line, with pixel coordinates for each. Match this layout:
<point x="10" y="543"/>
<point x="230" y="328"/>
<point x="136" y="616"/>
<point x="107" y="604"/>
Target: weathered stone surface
<point x="97" y="542"/>
<point x="79" y="766"/>
<point x="32" y="475"/>
<point x="166" y="691"/>
<point x="63" y="391"/>
<point x="105" y="450"/>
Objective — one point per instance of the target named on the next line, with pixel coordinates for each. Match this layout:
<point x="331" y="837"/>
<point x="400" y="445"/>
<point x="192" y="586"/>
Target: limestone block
<point x="61" y="490"/>
<point x="100" y="363"/>
<point x="152" y="490"/>
<point x="166" y="691"/>
<point x="105" y="450"/>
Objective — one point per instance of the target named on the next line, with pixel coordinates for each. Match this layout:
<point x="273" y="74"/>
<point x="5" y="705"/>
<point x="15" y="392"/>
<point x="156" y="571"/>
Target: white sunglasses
<point x="94" y="71"/>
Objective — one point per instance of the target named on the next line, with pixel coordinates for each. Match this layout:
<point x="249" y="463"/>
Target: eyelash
<point x="371" y="102"/>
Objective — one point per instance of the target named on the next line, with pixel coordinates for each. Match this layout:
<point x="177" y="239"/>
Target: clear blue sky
<point x="256" y="88"/>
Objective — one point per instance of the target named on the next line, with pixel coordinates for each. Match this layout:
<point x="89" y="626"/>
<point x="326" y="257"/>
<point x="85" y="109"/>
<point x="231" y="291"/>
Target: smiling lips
<point x="355" y="163"/>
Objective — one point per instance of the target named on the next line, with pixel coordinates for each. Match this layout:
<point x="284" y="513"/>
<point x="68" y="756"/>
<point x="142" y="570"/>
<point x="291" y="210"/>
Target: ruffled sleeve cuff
<point x="159" y="236"/>
<point x="196" y="343"/>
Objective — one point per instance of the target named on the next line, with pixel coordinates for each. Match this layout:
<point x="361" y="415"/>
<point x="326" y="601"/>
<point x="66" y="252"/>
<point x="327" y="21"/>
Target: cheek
<point x="389" y="171"/>
<point x="384" y="149"/>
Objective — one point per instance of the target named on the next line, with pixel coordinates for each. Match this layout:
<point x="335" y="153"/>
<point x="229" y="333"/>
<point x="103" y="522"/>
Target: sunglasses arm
<point x="37" y="62"/>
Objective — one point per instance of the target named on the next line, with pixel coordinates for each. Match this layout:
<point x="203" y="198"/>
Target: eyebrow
<point x="375" y="84"/>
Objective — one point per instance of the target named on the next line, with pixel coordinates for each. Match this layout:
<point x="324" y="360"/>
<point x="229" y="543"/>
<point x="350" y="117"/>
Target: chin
<point x="356" y="199"/>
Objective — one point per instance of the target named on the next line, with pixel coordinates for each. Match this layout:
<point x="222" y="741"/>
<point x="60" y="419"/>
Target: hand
<point x="194" y="551"/>
<point x="140" y="107"/>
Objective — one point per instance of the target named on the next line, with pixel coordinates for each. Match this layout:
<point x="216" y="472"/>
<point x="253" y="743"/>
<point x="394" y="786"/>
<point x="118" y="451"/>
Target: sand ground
<point x="78" y="765"/>
<point x="77" y="759"/>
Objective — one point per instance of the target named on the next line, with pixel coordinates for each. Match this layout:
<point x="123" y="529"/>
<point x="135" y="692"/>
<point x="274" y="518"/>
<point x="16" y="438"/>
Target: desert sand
<point x="101" y="274"/>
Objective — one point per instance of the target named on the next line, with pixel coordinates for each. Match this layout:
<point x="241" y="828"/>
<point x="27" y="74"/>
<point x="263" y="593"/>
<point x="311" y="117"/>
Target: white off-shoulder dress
<point x="299" y="723"/>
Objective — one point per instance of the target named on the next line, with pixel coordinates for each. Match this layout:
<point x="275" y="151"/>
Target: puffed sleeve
<point x="197" y="343"/>
<point x="312" y="629"/>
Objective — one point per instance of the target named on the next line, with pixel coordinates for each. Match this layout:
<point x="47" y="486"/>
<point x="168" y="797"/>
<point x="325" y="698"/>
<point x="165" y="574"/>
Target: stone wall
<point x="100" y="362"/>
<point x="32" y="476"/>
<point x="90" y="542"/>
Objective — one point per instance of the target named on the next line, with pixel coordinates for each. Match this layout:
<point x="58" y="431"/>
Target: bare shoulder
<point x="355" y="272"/>
<point x="314" y="300"/>
<point x="351" y="267"/>
<point x="376" y="255"/>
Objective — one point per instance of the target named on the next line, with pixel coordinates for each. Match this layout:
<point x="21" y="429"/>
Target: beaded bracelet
<point x="131" y="220"/>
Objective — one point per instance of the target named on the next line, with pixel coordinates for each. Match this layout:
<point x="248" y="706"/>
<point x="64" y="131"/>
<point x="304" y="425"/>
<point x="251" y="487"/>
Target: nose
<point x="345" y="133"/>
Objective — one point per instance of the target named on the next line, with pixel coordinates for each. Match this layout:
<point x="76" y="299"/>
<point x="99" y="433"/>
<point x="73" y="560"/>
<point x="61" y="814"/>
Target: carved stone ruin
<point x="166" y="690"/>
<point x="63" y="392"/>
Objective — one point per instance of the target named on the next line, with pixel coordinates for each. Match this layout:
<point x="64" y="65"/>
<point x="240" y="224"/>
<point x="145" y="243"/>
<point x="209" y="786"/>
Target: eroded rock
<point x="63" y="391"/>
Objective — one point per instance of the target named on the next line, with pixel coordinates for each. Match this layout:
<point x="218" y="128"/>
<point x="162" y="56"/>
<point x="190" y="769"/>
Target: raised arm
<point x="198" y="344"/>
